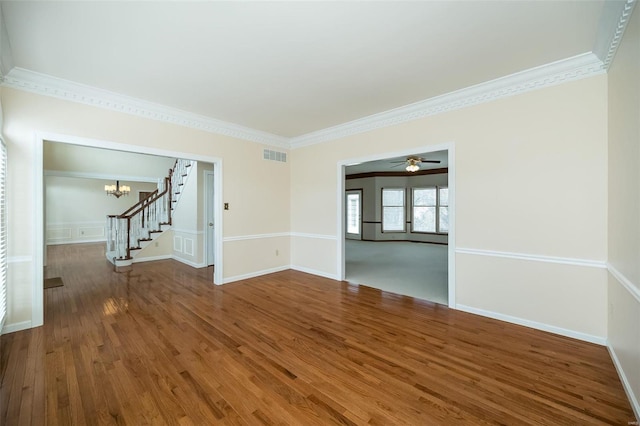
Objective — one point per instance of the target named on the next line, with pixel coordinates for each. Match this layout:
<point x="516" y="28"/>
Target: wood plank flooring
<point x="160" y="344"/>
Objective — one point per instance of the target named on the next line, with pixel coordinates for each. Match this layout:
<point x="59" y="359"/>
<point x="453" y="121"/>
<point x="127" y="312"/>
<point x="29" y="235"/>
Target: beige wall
<point x="624" y="209"/>
<point x="530" y="181"/>
<point x="259" y="207"/>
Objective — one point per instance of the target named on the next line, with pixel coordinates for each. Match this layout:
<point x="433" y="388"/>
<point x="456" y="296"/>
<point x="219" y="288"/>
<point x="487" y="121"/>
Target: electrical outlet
<point x="226" y="206"/>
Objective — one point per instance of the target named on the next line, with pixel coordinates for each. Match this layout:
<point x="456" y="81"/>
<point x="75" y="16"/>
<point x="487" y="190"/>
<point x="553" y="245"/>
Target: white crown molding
<point x="534" y="258"/>
<point x="614" y="20"/>
<point x="42" y="84"/>
<point x="563" y="71"/>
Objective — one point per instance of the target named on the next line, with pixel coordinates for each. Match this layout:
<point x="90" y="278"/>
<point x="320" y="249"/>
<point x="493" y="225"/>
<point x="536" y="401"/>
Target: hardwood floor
<point x="161" y="345"/>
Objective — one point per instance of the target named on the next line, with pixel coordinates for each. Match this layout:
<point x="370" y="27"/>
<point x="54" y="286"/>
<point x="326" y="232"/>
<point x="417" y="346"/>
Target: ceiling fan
<point x="413" y="163"/>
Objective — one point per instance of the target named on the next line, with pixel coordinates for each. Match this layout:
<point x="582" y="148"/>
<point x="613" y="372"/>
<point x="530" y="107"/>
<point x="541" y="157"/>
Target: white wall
<point x="103" y="162"/>
<point x="187" y="231"/>
<point x="76" y="208"/>
<point x="530" y="182"/>
<point x="624" y="210"/>
<point x="372" y="205"/>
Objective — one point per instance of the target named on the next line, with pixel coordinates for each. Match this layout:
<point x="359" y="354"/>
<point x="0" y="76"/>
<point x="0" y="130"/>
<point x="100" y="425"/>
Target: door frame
<point x="37" y="312"/>
<point x="209" y="197"/>
<point x="451" y="249"/>
<point x="346" y="194"/>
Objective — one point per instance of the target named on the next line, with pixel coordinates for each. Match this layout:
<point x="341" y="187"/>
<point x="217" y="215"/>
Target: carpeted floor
<point x="413" y="269"/>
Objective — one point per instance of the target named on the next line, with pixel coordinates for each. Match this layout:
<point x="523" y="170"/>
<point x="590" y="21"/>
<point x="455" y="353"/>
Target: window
<point x="3" y="234"/>
<point x="443" y="209"/>
<point x="353" y="212"/>
<point x="430" y="210"/>
<point x="393" y="210"/>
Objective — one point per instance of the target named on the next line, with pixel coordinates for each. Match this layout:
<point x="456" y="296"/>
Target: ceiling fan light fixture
<point x="412" y="165"/>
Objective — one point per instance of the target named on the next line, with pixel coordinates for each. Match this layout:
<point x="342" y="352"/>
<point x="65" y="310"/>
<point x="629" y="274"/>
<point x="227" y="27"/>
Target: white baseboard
<point x="635" y="404"/>
<point x="255" y="274"/>
<point x="315" y="272"/>
<point x="17" y="326"/>
<point x="534" y="324"/>
<point x="151" y="258"/>
<point x="188" y="262"/>
<point x="57" y="243"/>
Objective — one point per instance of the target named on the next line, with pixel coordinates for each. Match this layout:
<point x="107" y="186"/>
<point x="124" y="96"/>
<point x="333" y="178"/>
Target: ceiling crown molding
<point x="613" y="21"/>
<point x="566" y="70"/>
<point x="42" y="84"/>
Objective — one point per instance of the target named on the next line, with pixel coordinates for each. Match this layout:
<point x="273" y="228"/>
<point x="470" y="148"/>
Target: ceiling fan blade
<point x="398" y="165"/>
<point x="431" y="161"/>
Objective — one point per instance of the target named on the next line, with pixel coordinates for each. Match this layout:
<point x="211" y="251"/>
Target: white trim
<point x="19" y="259"/>
<point x="188" y="262"/>
<point x="185" y="245"/>
<point x="151" y="258"/>
<point x="39" y="241"/>
<point x="624" y="281"/>
<point x="534" y="257"/>
<point x="340" y="249"/>
<point x="17" y="326"/>
<point x="599" y="340"/>
<point x="46" y="85"/>
<point x="177" y="243"/>
<point x="256" y="236"/>
<point x="187" y="231"/>
<point x="570" y="69"/>
<point x="613" y="23"/>
<point x="101" y="176"/>
<point x="256" y="274"/>
<point x="315" y="272"/>
<point x="635" y="404"/>
<point x="316" y="236"/>
<point x="59" y="243"/>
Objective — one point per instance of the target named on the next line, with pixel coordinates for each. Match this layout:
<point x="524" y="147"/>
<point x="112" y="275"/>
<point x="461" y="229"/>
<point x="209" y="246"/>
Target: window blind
<point x="3" y="234"/>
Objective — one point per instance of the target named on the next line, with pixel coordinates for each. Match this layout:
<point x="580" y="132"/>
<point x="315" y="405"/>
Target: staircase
<point x="133" y="230"/>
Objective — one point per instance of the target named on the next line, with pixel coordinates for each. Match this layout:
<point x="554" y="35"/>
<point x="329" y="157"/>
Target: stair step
<point x="135" y="248"/>
<point x="159" y="231"/>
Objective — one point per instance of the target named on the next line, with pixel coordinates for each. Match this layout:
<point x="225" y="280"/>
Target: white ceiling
<point x="290" y="68"/>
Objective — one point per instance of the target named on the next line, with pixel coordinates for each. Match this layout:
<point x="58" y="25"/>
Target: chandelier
<point x="117" y="190"/>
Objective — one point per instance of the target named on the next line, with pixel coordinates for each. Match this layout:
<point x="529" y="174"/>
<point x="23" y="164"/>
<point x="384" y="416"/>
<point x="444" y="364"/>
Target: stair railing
<point x="127" y="230"/>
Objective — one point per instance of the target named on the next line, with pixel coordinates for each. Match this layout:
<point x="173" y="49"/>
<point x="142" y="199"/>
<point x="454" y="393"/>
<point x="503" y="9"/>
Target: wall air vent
<point x="274" y="155"/>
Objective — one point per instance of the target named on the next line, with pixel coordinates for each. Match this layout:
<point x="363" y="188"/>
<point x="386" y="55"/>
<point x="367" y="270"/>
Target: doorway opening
<point x="404" y="241"/>
<point x="215" y="199"/>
